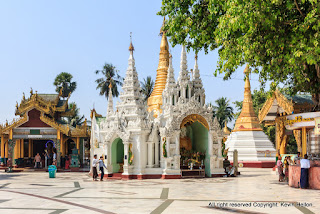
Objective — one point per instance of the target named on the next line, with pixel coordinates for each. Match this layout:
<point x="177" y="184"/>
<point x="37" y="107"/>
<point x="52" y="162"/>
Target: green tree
<point x="280" y="39"/>
<point x="147" y="87"/>
<point x="110" y="75"/>
<point x="63" y="83"/>
<point x="222" y="110"/>
<point x="75" y="119"/>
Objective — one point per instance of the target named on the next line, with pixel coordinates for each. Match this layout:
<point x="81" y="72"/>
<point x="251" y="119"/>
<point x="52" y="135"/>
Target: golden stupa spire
<point x="225" y="129"/>
<point x="131" y="48"/>
<point x="155" y="99"/>
<point x="247" y="120"/>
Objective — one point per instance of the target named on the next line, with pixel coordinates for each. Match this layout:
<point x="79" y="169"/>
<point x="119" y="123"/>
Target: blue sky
<point x="40" y="39"/>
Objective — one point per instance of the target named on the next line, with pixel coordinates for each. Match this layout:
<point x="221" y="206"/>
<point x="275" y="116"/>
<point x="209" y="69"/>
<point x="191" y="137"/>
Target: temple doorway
<point x="45" y="150"/>
<point x="70" y="146"/>
<point x="117" y="155"/>
<point x="194" y="144"/>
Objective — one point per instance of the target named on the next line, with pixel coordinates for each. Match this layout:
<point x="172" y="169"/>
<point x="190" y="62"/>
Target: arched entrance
<point x="194" y="143"/>
<point x="117" y="155"/>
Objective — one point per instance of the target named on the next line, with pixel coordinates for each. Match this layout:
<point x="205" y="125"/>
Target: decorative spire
<point x="171" y="82"/>
<point x="131" y="48"/>
<point x="110" y="99"/>
<point x="155" y="100"/>
<point x="247" y="120"/>
<point x="183" y="74"/>
<point x="196" y="74"/>
<point x="225" y="129"/>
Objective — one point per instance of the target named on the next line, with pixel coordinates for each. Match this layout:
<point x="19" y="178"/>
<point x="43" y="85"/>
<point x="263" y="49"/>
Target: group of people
<point x="95" y="164"/>
<point x="283" y="169"/>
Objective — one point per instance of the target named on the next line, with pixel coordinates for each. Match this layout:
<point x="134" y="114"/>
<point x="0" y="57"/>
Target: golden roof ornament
<point x="225" y="129"/>
<point x="131" y="48"/>
<point x="247" y="120"/>
<point x="31" y="92"/>
<point x="155" y="99"/>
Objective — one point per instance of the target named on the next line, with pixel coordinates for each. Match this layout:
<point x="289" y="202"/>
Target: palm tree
<point x="75" y="119"/>
<point x="223" y="111"/>
<point x="64" y="84"/>
<point x="110" y="75"/>
<point x="147" y="87"/>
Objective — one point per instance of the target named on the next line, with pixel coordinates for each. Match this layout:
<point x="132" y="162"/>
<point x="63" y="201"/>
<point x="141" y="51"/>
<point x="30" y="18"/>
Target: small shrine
<point x="253" y="146"/>
<point x="40" y="129"/>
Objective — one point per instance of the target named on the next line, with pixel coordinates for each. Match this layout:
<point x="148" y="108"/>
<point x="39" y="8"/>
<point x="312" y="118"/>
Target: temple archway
<point x="117" y="155"/>
<point x="194" y="143"/>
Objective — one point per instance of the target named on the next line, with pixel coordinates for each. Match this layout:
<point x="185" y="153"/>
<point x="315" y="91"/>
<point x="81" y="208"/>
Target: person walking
<point x="101" y="165"/>
<point x="94" y="168"/>
<point x="304" y="176"/>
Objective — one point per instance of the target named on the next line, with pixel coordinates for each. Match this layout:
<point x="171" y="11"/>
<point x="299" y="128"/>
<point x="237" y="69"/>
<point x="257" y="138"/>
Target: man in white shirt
<point x="304" y="178"/>
<point x="94" y="168"/>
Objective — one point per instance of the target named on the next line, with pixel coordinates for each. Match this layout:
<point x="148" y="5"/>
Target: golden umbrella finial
<point x="131" y="48"/>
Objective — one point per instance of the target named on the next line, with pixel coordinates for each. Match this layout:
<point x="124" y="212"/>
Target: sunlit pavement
<point x="255" y="191"/>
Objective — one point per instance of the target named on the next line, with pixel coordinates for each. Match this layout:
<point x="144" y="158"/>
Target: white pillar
<point x="126" y="157"/>
<point x="108" y="153"/>
<point x="189" y="91"/>
<point x="178" y="143"/>
<point x="149" y="163"/>
<point x="219" y="147"/>
<point x="168" y="147"/>
<point x="161" y="153"/>
<point x="156" y="153"/>
<point x="210" y="143"/>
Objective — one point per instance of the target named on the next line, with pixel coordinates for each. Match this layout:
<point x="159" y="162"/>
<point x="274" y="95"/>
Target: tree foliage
<point x="222" y="110"/>
<point x="64" y="81"/>
<point x="147" y="87"/>
<point x="279" y="38"/>
<point x="110" y="75"/>
<point x="75" y="119"/>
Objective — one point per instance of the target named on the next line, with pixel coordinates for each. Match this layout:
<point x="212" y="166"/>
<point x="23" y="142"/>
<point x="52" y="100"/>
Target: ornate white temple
<point x="254" y="147"/>
<point x="174" y="131"/>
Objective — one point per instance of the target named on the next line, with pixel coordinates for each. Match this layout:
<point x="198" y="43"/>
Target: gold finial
<point x="161" y="29"/>
<point x="247" y="69"/>
<point x="196" y="56"/>
<point x="247" y="120"/>
<point x="17" y="104"/>
<point x="225" y="129"/>
<point x="110" y="85"/>
<point x="31" y="92"/>
<point x="23" y="96"/>
<point x="7" y="123"/>
<point x="131" y="48"/>
<point x="155" y="100"/>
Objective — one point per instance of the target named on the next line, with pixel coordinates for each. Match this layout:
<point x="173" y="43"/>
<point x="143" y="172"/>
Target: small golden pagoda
<point x="247" y="120"/>
<point x="155" y="100"/>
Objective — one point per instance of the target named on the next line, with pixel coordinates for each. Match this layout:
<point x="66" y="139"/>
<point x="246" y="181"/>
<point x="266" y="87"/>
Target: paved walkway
<point x="255" y="191"/>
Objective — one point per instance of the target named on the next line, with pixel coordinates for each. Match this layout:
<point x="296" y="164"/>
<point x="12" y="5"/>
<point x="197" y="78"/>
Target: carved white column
<point x="168" y="146"/>
<point x="189" y="91"/>
<point x="177" y="155"/>
<point x="219" y="147"/>
<point x="210" y="143"/>
<point x="108" y="153"/>
<point x="156" y="153"/>
<point x="126" y="157"/>
<point x="178" y="143"/>
<point x="149" y="163"/>
<point x="161" y="153"/>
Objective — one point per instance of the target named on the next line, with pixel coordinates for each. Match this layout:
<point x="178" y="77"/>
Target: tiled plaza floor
<point x="34" y="192"/>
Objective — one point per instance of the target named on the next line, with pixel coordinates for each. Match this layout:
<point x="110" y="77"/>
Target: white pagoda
<point x="151" y="140"/>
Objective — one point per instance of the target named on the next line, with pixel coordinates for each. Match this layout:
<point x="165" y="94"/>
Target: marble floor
<point x="255" y="191"/>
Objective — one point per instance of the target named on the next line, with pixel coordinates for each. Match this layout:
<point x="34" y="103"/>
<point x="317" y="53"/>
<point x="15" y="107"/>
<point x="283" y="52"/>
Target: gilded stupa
<point x="253" y="146"/>
<point x="155" y="99"/>
<point x="247" y="120"/>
